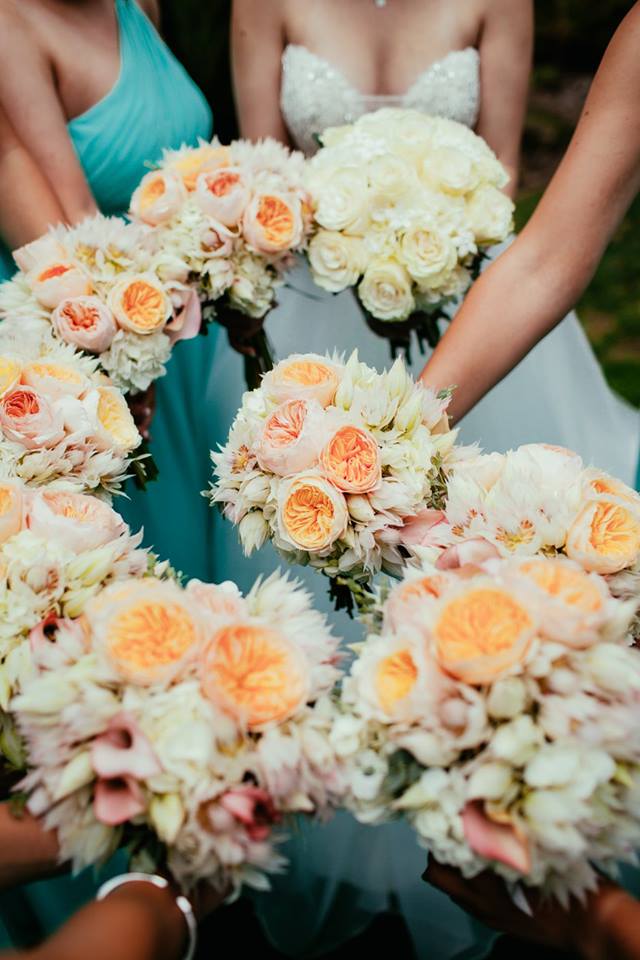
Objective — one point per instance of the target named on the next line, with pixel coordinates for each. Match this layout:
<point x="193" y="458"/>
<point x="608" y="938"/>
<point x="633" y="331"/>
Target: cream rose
<point x="490" y="214"/>
<point x="75" y="521"/>
<point x="85" y="322"/>
<point x="28" y="418"/>
<point x="391" y="178"/>
<point x="428" y="252"/>
<point x="158" y="198"/>
<point x="39" y="253"/>
<point x="58" y="281"/>
<point x="450" y="170"/>
<point x="292" y="437"/>
<point x="341" y="199"/>
<point x="303" y="377"/>
<point x="223" y="195"/>
<point x="272" y="223"/>
<point x="11" y="509"/>
<point x="385" y="291"/>
<point x="605" y="536"/>
<point x="113" y="426"/>
<point x="54" y="380"/>
<point x="312" y="514"/>
<point x="190" y="163"/>
<point x="10" y="373"/>
<point x="140" y="304"/>
<point x="336" y="260"/>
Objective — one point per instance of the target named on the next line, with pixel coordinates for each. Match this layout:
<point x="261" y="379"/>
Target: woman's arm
<point x="605" y="927"/>
<point x="506" y="48"/>
<point x="27" y="851"/>
<point x="28" y="206"/>
<point x="531" y="287"/>
<point x="257" y="43"/>
<point x="28" y="97"/>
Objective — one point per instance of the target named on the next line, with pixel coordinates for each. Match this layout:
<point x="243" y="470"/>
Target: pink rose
<point x="11" y="509"/>
<point x="253" y="808"/>
<point x="158" y="198"/>
<point x="272" y="223"/>
<point x="77" y="521"/>
<point x="223" y="195"/>
<point x="27" y="417"/>
<point x="292" y="438"/>
<point x="85" y="322"/>
<point x="59" y="280"/>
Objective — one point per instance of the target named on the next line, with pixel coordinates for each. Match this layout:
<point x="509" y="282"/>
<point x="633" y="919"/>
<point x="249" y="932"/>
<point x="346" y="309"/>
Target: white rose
<point x="336" y="260"/>
<point x="450" y="170"/>
<point x="490" y="213"/>
<point x="428" y="252"/>
<point x="385" y="291"/>
<point x="390" y="177"/>
<point x="341" y="199"/>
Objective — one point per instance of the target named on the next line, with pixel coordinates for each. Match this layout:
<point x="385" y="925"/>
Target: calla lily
<point x="124" y="751"/>
<point x="421" y="530"/>
<point x="44" y="632"/>
<point x="252" y="807"/>
<point x="469" y="552"/>
<point x="187" y="319"/>
<point x="117" y="800"/>
<point x="495" y="841"/>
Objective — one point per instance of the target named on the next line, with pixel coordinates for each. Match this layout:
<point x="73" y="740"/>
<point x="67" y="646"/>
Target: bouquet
<point x="334" y="462"/>
<point x="497" y="711"/>
<point x="539" y="500"/>
<point x="185" y="724"/>
<point x="62" y="423"/>
<point x="228" y="219"/>
<point x="404" y="206"/>
<point x="97" y="288"/>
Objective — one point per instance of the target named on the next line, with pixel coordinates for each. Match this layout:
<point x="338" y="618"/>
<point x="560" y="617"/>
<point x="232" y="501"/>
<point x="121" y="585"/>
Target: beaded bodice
<point x="316" y="95"/>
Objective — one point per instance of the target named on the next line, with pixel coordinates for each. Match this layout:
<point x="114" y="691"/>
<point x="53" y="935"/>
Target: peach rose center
<point x="223" y="183"/>
<point x="52" y="273"/>
<point x="306" y="373"/>
<point x="149" y="636"/>
<point x="190" y="166"/>
<point x="256" y="672"/>
<point x="152" y="191"/>
<point x="350" y="460"/>
<point x="614" y="530"/>
<point x="79" y="316"/>
<point x="52" y="371"/>
<point x="21" y="403"/>
<point x="559" y="580"/>
<point x="431" y="586"/>
<point x="143" y="305"/>
<point x="308" y="516"/>
<point x="275" y="218"/>
<point x="396" y="677"/>
<point x="286" y="424"/>
<point x="480" y="634"/>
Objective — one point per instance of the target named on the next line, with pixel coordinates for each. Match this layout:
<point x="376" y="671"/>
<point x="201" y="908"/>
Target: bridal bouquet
<point x="184" y="723"/>
<point x="404" y="205"/>
<point x="497" y="712"/>
<point x="228" y="219"/>
<point x="97" y="287"/>
<point x="539" y="500"/>
<point x="331" y="461"/>
<point x="61" y="422"/>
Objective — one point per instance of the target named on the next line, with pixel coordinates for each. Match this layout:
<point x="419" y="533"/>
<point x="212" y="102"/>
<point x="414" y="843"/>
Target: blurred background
<point x="571" y="36"/>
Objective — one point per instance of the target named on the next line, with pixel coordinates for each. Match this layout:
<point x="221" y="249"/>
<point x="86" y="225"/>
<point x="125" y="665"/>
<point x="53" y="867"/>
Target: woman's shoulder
<point x="19" y="33"/>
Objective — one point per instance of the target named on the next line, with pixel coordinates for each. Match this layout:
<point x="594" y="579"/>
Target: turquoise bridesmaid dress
<point x="154" y="104"/>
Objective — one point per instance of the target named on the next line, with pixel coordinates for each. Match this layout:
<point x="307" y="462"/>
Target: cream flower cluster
<point x="403" y="203"/>
<point x="62" y="424"/>
<point x="330" y="459"/>
<point x="227" y="219"/>
<point x="497" y="711"/>
<point x="196" y="716"/>
<point x="96" y="285"/>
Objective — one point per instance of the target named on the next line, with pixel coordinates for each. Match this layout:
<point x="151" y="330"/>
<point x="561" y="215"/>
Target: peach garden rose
<point x="273" y="223"/>
<point x="351" y="460"/>
<point x="158" y="198"/>
<point x="303" y="377"/>
<point x="292" y="437"/>
<point x="605" y="536"/>
<point x="29" y="418"/>
<point x="191" y="163"/>
<point x="10" y="371"/>
<point x="312" y="514"/>
<point x="114" y="426"/>
<point x="11" y="509"/>
<point x="140" y="304"/>
<point x="77" y="521"/>
<point x="223" y="195"/>
<point x="58" y="281"/>
<point x="54" y="380"/>
<point x="85" y="322"/>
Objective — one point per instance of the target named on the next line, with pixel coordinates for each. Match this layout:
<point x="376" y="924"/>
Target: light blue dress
<point x="154" y="104"/>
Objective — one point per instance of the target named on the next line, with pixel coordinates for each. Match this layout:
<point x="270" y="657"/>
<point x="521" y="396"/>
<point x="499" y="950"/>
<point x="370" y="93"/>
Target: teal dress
<point x="154" y="104"/>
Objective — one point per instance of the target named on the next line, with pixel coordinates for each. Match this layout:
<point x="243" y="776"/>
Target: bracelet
<point x="182" y="903"/>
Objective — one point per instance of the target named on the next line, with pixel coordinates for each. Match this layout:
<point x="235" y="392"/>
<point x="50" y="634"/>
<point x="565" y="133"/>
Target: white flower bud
<point x="78" y="773"/>
<point x="166" y="812"/>
<point x="360" y="509"/>
<point x="490" y="781"/>
<point x="507" y="699"/>
<point x="253" y="531"/>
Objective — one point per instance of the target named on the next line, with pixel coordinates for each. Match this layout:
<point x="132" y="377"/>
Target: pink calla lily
<point x="123" y="750"/>
<point x="495" y="841"/>
<point x="117" y="800"/>
<point x="474" y="551"/>
<point x="252" y="807"/>
<point x="419" y="531"/>
<point x="44" y="632"/>
<point x="187" y="319"/>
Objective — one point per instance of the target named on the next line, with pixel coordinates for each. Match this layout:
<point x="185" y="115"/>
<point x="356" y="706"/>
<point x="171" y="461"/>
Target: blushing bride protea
<point x="104" y="713"/>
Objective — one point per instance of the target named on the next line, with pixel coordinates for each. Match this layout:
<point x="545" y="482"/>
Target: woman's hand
<point x="597" y="929"/>
<point x="27" y="851"/>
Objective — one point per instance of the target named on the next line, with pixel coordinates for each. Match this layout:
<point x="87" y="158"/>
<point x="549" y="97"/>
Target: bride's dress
<point x="342" y="874"/>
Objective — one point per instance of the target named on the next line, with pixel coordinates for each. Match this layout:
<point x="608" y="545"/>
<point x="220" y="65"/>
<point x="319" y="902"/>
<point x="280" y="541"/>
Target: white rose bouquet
<point x="228" y="219"/>
<point x="404" y="206"/>
<point x="497" y="711"/>
<point x="97" y="287"/>
<point x="330" y="461"/>
<point x="185" y="724"/>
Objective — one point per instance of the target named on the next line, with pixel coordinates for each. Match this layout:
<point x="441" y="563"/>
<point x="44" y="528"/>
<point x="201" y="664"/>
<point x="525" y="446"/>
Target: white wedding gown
<point x="342" y="874"/>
